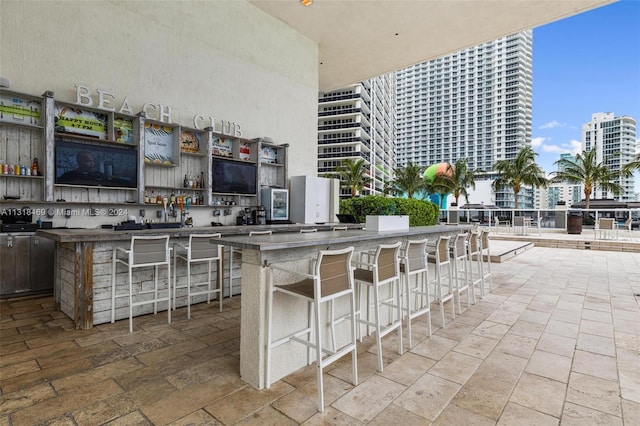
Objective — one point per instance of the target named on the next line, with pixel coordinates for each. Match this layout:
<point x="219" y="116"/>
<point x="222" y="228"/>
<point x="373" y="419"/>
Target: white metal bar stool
<point x="476" y="264"/>
<point x="233" y="251"/>
<point x="485" y="254"/>
<point x="413" y="263"/>
<point x="144" y="251"/>
<point x="460" y="266"/>
<point x="442" y="262"/>
<point x="332" y="278"/>
<point x="199" y="250"/>
<point x="476" y="275"/>
<point x="253" y="233"/>
<point x="383" y="270"/>
<point x="308" y="230"/>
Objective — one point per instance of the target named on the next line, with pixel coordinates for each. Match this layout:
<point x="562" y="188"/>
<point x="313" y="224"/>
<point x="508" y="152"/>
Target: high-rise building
<point x="358" y="122"/>
<point x="614" y="139"/>
<point x="474" y="104"/>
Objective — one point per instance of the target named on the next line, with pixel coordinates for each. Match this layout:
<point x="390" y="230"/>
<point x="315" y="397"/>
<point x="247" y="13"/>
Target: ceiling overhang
<point x="360" y="39"/>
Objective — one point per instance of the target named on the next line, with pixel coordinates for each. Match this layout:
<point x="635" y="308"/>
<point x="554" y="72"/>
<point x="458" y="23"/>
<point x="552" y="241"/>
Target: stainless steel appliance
<point x="276" y="203"/>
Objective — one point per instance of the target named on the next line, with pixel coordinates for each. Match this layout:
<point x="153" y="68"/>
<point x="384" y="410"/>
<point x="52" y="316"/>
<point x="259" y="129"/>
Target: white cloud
<point x="572" y="148"/>
<point x="551" y="125"/>
<point x="536" y="142"/>
<point x="576" y="147"/>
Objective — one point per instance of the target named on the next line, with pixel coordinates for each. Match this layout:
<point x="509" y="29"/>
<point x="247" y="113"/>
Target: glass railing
<point x="543" y="218"/>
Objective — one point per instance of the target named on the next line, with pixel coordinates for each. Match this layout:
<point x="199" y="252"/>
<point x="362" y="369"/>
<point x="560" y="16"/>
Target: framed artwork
<point x="222" y="147"/>
<point x="159" y="144"/>
<point x="190" y="141"/>
<point x="123" y="129"/>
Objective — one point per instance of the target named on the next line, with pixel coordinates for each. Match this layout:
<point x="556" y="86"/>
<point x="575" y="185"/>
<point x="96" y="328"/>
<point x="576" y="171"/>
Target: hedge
<point x="420" y="212"/>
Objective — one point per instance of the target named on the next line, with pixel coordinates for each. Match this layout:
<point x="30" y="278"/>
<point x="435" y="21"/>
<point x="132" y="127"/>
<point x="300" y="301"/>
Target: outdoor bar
<point x="201" y="118"/>
<point x="83" y="275"/>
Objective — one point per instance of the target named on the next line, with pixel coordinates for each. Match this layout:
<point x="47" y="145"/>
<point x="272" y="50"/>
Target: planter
<point x="387" y="223"/>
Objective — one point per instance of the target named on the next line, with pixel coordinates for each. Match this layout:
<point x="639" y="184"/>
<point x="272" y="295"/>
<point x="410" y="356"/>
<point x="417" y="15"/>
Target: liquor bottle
<point x="201" y="180"/>
<point x="185" y="183"/>
<point x="146" y="197"/>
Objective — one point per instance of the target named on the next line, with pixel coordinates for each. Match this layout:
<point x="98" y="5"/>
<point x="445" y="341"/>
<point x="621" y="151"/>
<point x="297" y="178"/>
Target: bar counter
<point x="83" y="276"/>
<point x="82" y="281"/>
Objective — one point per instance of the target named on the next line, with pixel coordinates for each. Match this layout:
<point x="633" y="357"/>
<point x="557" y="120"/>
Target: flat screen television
<point x="233" y="177"/>
<point x="85" y="164"/>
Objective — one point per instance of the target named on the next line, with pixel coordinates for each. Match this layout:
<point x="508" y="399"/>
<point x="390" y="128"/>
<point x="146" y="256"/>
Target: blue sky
<point x="584" y="64"/>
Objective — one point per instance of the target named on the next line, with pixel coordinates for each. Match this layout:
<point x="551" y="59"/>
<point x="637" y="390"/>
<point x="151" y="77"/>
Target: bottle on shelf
<point x="146" y="197"/>
<point x="201" y="179"/>
<point x="185" y="183"/>
<point x="35" y="167"/>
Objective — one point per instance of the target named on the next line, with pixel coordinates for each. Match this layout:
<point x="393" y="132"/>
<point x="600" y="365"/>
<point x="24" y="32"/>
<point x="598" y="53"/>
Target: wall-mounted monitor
<point x="233" y="177"/>
<point x="84" y="164"/>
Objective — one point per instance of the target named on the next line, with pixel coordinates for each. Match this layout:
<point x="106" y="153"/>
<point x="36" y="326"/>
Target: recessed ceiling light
<point x="306" y="2"/>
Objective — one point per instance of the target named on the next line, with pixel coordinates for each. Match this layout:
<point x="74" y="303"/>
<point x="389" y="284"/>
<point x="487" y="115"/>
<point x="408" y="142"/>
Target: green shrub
<point x="420" y="212"/>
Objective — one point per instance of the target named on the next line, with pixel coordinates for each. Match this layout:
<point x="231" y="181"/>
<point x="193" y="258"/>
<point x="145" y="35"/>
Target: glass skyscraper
<point x="475" y="104"/>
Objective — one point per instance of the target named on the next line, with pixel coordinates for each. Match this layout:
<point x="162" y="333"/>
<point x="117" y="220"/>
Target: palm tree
<point x="585" y="170"/>
<point x="408" y="180"/>
<point x="442" y="186"/>
<point x="634" y="165"/>
<point x="353" y="175"/>
<point x="518" y="172"/>
<point x="459" y="177"/>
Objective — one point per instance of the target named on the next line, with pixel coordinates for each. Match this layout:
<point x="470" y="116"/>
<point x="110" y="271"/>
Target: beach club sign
<point x="108" y="101"/>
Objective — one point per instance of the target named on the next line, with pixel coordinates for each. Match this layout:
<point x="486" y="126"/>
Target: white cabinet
<point x="311" y="199"/>
<point x="276" y="203"/>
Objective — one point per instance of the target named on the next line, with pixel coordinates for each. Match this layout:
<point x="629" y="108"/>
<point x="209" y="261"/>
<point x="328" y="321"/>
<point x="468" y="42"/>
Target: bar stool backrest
<point x="386" y="260"/>
<point x="415" y="255"/>
<point x="442" y="249"/>
<point x="459" y="245"/>
<point x="474" y="242"/>
<point x="334" y="271"/>
<point x="149" y="251"/>
<point x="202" y="247"/>
<point x="484" y="239"/>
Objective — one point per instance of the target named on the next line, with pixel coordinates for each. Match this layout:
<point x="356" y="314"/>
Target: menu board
<point x="19" y="110"/>
<point x="158" y="144"/>
<point x="71" y="119"/>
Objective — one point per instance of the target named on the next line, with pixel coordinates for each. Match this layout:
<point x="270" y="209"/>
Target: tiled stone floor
<point x="556" y="342"/>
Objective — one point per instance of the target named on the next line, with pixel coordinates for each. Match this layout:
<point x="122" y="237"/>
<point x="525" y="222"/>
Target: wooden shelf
<point x="64" y="185"/>
<point x="22" y="125"/>
<point x="92" y="140"/>
<point x="193" y="154"/>
<point x="20" y="176"/>
<point x="174" y="188"/>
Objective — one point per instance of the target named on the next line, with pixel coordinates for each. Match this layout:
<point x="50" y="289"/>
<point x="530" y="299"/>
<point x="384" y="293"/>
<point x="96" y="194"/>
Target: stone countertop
<point x="102" y="235"/>
<point x="289" y="240"/>
<point x="284" y="236"/>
